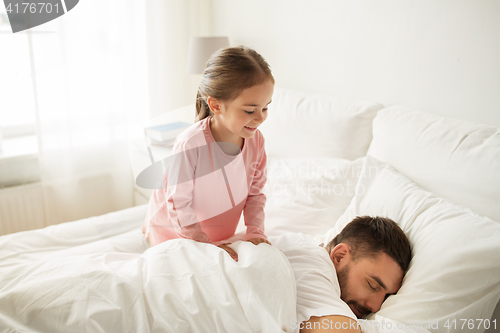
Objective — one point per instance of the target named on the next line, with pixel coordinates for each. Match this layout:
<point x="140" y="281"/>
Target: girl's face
<point x="239" y="118"/>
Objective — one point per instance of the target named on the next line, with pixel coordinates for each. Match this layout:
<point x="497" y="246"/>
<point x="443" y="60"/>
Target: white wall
<point x="440" y="56"/>
<point x="169" y="26"/>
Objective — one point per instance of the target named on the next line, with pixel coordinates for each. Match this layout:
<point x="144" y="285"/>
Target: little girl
<point x="217" y="168"/>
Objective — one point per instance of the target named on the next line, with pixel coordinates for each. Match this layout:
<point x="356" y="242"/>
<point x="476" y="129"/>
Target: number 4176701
<point x="472" y="324"/>
<point x="32" y="7"/>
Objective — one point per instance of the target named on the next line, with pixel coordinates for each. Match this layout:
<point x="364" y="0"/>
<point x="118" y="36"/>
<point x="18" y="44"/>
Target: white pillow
<point x="454" y="159"/>
<point x="308" y="195"/>
<point x="310" y="125"/>
<point x="455" y="270"/>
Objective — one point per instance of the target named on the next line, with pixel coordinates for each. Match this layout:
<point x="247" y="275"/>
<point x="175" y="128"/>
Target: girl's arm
<point x="256" y="200"/>
<point x="179" y="194"/>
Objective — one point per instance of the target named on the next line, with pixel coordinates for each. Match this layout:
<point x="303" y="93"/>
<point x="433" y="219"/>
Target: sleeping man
<point x="370" y="257"/>
<point x="186" y="286"/>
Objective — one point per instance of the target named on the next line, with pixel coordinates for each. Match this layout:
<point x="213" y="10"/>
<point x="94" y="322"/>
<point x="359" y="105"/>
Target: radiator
<point x="22" y="208"/>
<point x="40" y="204"/>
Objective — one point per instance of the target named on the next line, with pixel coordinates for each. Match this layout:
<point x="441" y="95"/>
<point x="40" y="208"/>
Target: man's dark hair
<point x="369" y="236"/>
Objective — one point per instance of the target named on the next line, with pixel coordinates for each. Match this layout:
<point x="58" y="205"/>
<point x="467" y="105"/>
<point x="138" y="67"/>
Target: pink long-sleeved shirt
<point x="205" y="190"/>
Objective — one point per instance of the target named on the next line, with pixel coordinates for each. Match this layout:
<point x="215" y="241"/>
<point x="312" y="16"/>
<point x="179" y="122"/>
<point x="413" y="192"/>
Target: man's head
<point x="371" y="256"/>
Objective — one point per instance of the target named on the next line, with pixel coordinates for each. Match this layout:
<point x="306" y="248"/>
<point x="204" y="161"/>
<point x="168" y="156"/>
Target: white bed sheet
<point x="177" y="286"/>
<point x="116" y="240"/>
<point x="114" y="232"/>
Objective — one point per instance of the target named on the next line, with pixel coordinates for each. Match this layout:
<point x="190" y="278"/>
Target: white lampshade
<point x="200" y="50"/>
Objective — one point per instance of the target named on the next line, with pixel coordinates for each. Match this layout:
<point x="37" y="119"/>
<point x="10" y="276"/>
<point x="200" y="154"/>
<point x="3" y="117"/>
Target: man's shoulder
<point x="306" y="256"/>
<point x="318" y="289"/>
<point x="291" y="240"/>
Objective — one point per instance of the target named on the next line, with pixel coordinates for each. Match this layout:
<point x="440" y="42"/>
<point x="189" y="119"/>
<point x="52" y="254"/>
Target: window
<point x="18" y="143"/>
<point x="17" y="102"/>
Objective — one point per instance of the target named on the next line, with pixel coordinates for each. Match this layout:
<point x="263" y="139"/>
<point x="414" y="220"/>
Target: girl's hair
<point x="228" y="72"/>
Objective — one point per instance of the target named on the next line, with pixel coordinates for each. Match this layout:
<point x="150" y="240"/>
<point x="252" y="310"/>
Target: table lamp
<point x="200" y="50"/>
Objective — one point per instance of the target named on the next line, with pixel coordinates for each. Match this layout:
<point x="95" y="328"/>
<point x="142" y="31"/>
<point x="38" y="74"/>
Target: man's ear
<point x="340" y="254"/>
<point x="214" y="105"/>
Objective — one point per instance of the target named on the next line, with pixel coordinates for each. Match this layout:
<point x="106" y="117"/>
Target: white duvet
<point x="98" y="275"/>
<point x="178" y="286"/>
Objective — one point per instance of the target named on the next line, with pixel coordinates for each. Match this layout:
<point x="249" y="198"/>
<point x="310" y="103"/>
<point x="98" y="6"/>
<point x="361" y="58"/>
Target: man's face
<point x="366" y="282"/>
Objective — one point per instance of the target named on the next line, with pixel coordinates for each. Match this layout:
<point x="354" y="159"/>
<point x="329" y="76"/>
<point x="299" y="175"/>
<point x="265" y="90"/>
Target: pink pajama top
<point x="205" y="190"/>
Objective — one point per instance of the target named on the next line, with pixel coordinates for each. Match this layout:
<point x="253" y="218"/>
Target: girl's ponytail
<point x="202" y="109"/>
<point x="228" y="72"/>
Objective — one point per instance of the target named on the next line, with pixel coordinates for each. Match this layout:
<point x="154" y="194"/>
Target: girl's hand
<point x="229" y="250"/>
<point x="257" y="241"/>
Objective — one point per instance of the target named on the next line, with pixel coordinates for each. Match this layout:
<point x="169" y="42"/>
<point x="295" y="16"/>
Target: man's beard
<point x="343" y="277"/>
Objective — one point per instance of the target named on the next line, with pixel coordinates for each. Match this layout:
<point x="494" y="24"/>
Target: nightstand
<point x="138" y="149"/>
<point x="140" y="160"/>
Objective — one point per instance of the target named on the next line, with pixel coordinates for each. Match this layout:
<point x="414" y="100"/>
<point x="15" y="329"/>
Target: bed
<point x="330" y="160"/>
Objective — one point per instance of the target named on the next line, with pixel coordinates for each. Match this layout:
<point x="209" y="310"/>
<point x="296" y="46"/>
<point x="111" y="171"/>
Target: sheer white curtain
<point x="170" y="24"/>
<point x="91" y="81"/>
<point x="99" y="73"/>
